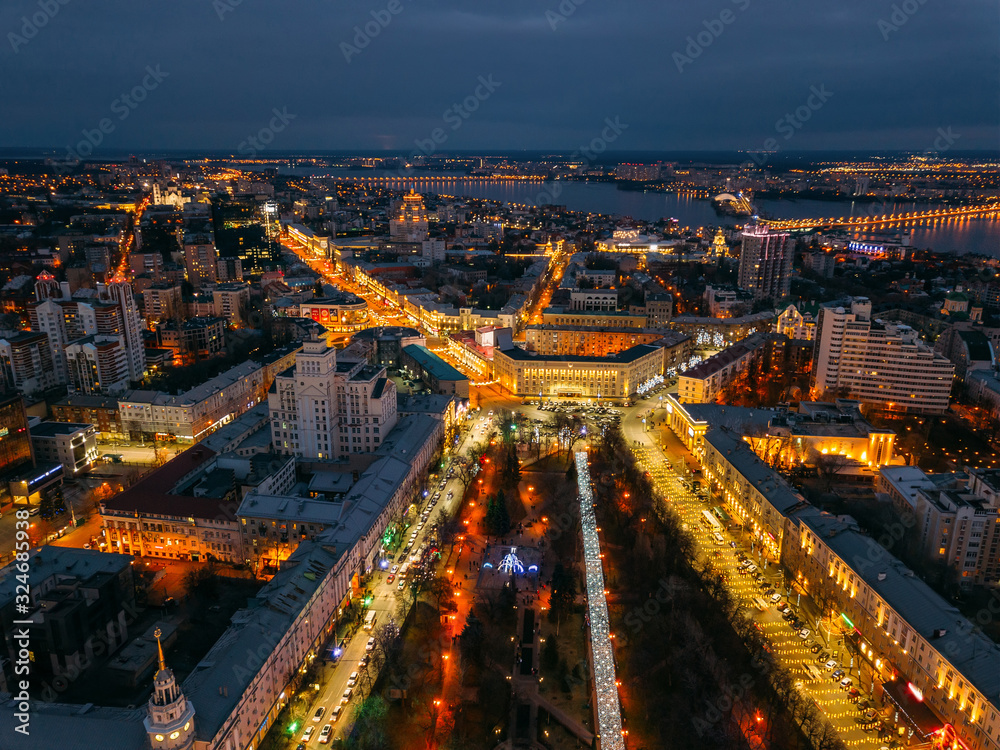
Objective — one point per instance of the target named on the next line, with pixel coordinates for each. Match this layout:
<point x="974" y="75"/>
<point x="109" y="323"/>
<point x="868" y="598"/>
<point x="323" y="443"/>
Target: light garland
<point x="609" y="715"/>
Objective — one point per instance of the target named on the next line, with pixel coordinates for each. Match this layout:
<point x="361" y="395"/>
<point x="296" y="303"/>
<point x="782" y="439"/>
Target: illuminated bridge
<point x="912" y="218"/>
<point x="393" y="179"/>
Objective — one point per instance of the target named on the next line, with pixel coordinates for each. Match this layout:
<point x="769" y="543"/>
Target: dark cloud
<point x="894" y="84"/>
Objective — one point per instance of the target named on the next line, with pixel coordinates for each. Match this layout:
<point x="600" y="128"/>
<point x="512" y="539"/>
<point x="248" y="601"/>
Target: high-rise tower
<point x="121" y="292"/>
<point x="766" y="263"/>
<point x="46" y="287"/>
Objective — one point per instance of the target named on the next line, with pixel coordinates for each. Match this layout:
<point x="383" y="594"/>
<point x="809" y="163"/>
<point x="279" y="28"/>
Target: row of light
<point x="609" y="716"/>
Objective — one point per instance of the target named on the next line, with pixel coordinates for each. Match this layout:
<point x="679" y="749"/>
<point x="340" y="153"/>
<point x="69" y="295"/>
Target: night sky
<point x="891" y="75"/>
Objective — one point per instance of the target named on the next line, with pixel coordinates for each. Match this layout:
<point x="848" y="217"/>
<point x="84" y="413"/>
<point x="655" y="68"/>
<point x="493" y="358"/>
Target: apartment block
<point x="882" y="364"/>
<point x="766" y="263"/>
<point x="26" y="363"/>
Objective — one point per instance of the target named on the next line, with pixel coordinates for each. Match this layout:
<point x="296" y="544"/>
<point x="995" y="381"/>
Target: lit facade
<point x="409" y="223"/>
<point x="879" y="363"/>
<point x="615" y="376"/>
<point x="766" y="263"/>
<point x="795" y="325"/>
<point x="323" y="408"/>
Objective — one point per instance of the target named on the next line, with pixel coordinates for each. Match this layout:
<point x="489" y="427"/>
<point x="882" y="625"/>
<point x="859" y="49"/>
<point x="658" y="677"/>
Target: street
<point x="668" y="469"/>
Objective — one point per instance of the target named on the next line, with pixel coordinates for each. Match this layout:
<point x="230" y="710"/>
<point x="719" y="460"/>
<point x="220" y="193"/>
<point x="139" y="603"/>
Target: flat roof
<point x="623" y="357"/>
<point x="75" y="727"/>
<point x="432" y="363"/>
<point x="69" y="562"/>
<point x="152" y="494"/>
<point x="54" y="429"/>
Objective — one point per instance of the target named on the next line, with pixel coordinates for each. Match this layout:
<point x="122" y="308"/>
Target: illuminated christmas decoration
<point x="511" y="563"/>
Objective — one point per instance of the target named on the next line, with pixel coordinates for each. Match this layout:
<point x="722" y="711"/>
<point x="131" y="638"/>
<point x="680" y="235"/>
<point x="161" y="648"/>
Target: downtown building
<point x="885" y="365"/>
<point x="325" y="408"/>
<point x="956" y="518"/>
<point x="409" y="221"/>
<point x="615" y="376"/>
<point x="766" y="263"/>
<point x="26" y="363"/>
<point x="193" y="415"/>
<point x="65" y="320"/>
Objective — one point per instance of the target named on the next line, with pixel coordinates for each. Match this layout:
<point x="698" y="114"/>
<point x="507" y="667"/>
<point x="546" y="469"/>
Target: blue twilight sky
<point x="679" y="75"/>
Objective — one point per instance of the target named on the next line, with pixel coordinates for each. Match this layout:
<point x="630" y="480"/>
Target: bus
<point x="370" y="619"/>
<point x="711" y="522"/>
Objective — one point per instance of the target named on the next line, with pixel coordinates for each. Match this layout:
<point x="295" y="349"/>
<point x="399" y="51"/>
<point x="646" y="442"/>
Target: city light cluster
<point x="609" y="716"/>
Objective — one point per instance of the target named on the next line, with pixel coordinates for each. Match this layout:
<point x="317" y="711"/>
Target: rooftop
<point x="761" y="476"/>
<point x="970" y="652"/>
<point x="54" y="429"/>
<point x="623" y="357"/>
<point x="217" y="684"/>
<point x="152" y="494"/>
<point x="63" y="562"/>
<point x="432" y="363"/>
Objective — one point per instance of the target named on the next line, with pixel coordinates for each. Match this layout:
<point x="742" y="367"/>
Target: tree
<point x="550" y="653"/>
<point x="370" y="730"/>
<point x="467" y="469"/>
<point x="203" y="581"/>
<point x="563" y="597"/>
<point x="472" y="641"/>
<point x="511" y="466"/>
<point x="829" y="465"/>
<point x="497" y="517"/>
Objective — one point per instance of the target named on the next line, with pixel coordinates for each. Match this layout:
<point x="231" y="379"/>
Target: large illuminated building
<point x="882" y="364"/>
<point x="766" y="263"/>
<point x="409" y="223"/>
<point x="616" y="376"/>
<point x="325" y="408"/>
<point x="341" y="310"/>
<point x="65" y="320"/>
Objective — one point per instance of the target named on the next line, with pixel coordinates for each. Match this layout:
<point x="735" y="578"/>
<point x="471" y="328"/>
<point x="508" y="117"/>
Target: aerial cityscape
<point x="558" y="375"/>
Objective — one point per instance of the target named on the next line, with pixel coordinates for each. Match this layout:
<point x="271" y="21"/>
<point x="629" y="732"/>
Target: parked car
<point x="775" y="598"/>
<point x="846" y="683"/>
<point x="370" y="646"/>
<point x="831" y="664"/>
<point x="838" y="674"/>
<point x="804" y="633"/>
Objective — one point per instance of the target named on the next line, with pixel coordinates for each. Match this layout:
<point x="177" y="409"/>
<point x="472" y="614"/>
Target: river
<point x="960" y="235"/>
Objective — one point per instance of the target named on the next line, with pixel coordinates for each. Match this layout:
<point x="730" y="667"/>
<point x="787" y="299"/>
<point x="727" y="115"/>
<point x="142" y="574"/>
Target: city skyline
<point x="387" y="76"/>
